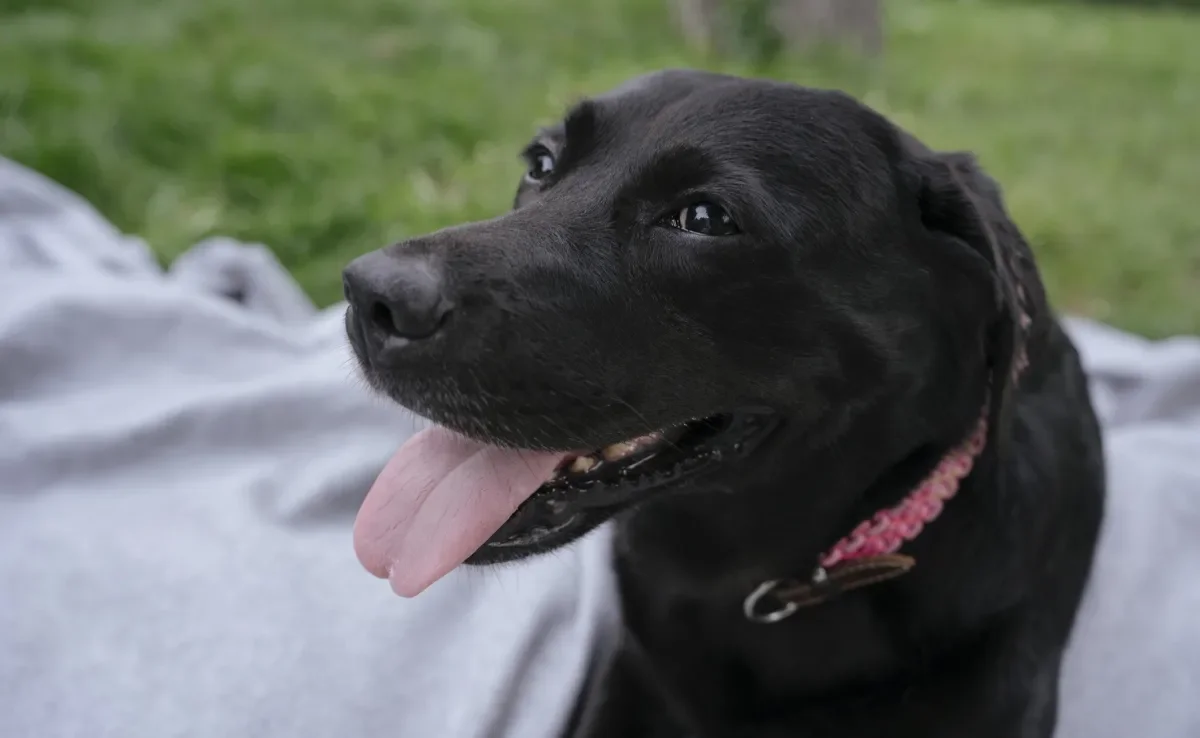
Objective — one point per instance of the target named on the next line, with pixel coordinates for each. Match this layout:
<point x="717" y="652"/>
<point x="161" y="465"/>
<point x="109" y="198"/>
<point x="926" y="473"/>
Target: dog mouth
<point x="445" y="499"/>
<point x="587" y="489"/>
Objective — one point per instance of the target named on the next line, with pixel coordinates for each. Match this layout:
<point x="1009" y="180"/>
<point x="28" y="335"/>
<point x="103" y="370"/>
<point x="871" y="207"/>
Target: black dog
<point x="799" y="314"/>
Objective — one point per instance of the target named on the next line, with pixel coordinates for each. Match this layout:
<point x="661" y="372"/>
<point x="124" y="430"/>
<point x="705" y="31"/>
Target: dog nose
<point x="396" y="296"/>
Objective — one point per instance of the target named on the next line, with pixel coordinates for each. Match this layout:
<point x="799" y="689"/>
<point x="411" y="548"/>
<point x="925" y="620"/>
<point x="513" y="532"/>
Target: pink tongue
<point x="438" y="500"/>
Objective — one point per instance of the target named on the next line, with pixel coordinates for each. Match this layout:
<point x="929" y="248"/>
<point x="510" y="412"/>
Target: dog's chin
<point x="587" y="490"/>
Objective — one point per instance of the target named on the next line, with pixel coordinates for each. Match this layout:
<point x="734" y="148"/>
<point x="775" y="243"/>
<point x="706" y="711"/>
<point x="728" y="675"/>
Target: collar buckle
<point x="778" y="599"/>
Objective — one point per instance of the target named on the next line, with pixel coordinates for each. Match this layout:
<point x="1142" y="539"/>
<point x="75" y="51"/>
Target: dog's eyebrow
<point x="673" y="171"/>
<point x="570" y="138"/>
<point x="574" y="135"/>
<point x="580" y="124"/>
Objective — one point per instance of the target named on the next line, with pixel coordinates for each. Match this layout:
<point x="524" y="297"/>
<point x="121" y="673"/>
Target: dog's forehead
<point x="688" y="104"/>
<point x="744" y="128"/>
<point x="674" y="93"/>
<point x="665" y="86"/>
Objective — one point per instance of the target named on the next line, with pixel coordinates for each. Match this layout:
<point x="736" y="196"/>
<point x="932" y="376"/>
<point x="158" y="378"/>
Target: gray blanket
<point x="181" y="455"/>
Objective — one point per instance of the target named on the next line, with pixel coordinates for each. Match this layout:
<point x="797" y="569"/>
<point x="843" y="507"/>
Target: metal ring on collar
<point x="750" y="606"/>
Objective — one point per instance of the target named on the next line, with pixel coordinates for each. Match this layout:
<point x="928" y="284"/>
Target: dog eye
<point x="706" y="219"/>
<point x="541" y="164"/>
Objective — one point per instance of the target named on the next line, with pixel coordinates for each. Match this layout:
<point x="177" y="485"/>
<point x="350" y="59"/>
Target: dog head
<point x="695" y="261"/>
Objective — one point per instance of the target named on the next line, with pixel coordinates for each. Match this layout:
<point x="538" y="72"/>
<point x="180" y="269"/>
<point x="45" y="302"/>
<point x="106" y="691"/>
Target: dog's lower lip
<point x="622" y="462"/>
<point x="572" y="503"/>
<point x="535" y="535"/>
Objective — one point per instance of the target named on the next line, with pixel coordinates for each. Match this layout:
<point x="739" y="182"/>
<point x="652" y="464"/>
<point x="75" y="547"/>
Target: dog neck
<point x="868" y="554"/>
<point x="703" y="554"/>
<point x="810" y="504"/>
<point x="685" y="569"/>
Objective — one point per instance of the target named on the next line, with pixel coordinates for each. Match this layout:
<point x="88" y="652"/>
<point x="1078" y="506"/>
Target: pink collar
<point x="868" y="554"/>
<point x="888" y="529"/>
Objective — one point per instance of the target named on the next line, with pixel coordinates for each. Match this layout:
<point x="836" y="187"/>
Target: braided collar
<point x="870" y="553"/>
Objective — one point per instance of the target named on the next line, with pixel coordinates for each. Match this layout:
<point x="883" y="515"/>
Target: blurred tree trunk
<point x="699" y="20"/>
<point x="799" y="23"/>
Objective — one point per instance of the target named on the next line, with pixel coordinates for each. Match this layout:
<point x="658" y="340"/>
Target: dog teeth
<point x="618" y="451"/>
<point x="583" y="465"/>
<point x="623" y="449"/>
<point x="579" y="465"/>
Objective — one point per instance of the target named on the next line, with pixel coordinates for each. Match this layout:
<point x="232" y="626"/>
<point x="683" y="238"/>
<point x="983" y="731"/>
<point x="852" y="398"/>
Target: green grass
<point x="325" y="129"/>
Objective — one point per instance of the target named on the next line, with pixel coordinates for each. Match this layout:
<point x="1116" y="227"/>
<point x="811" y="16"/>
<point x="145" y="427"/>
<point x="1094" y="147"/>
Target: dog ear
<point x="958" y="200"/>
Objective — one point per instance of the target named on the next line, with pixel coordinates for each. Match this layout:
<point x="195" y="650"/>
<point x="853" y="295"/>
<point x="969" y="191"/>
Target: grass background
<point x="325" y="129"/>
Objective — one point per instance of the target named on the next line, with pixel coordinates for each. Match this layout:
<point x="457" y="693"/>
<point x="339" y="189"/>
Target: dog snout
<point x="396" y="297"/>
